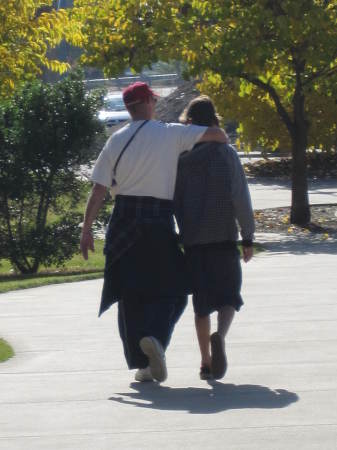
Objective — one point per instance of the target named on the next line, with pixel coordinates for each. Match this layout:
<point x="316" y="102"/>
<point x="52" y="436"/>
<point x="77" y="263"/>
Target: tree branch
<point x="320" y="74"/>
<point x="207" y="50"/>
<point x="272" y="92"/>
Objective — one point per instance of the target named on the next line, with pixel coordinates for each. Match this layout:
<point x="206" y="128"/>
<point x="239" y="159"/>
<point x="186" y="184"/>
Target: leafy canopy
<point x="254" y="56"/>
<point x="28" y="30"/>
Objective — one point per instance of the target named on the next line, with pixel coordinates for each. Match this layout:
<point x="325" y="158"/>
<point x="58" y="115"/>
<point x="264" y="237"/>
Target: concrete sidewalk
<point x="272" y="193"/>
<point x="68" y="387"/>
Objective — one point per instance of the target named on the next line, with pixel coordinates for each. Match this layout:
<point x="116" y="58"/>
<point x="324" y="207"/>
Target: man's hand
<point x="86" y="243"/>
<point x="95" y="201"/>
<point x="214" y="134"/>
<point x="247" y="253"/>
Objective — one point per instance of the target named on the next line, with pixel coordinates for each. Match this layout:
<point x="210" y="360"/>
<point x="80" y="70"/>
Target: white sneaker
<point x="153" y="349"/>
<point x="144" y="374"/>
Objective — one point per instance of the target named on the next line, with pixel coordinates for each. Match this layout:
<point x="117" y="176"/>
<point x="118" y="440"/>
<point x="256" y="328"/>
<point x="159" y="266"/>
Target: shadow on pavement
<point x="326" y="194"/>
<point x="220" y="397"/>
<point x="314" y="185"/>
<point x="296" y="245"/>
<point x="280" y="183"/>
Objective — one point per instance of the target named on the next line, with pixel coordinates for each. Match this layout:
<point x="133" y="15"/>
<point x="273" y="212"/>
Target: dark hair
<point x="200" y="111"/>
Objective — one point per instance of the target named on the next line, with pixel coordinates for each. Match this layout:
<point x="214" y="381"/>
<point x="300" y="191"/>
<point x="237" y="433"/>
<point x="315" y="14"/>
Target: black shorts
<point x="216" y="277"/>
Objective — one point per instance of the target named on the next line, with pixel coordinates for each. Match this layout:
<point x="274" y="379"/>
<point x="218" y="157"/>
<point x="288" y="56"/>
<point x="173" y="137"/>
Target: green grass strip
<point x="76" y="269"/>
<point x="76" y="263"/>
<point x="6" y="351"/>
<point x="16" y="283"/>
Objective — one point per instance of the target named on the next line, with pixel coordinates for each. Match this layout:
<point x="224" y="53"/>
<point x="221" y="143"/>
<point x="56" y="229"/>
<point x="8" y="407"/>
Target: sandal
<point x="219" y="360"/>
<point x="205" y="373"/>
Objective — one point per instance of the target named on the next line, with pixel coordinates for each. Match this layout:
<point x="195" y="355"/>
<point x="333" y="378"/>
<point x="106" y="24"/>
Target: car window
<point x="114" y="104"/>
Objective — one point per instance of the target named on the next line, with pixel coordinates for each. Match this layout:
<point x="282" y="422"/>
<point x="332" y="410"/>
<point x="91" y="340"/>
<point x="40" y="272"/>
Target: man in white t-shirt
<point x="144" y="266"/>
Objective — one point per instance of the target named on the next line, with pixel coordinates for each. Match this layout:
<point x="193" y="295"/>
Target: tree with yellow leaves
<point x="271" y="64"/>
<point x="28" y="30"/>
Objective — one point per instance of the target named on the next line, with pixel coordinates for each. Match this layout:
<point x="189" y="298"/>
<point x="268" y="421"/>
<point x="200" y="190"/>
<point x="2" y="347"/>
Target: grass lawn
<point x="76" y="269"/>
<point x="6" y="351"/>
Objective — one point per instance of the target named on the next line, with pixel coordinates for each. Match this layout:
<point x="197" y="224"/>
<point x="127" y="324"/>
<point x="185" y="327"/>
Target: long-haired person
<point x="211" y="196"/>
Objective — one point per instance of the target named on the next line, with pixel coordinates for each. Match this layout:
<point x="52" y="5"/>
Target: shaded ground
<point x="277" y="220"/>
<point x="319" y="166"/>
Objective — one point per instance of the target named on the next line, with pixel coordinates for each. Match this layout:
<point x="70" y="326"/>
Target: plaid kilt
<point x="142" y="252"/>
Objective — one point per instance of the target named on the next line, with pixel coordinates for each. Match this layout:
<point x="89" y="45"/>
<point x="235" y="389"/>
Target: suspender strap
<point x="123" y="150"/>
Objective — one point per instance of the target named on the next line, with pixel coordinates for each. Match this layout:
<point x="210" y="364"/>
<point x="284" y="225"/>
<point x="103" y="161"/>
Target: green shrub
<point x="46" y="133"/>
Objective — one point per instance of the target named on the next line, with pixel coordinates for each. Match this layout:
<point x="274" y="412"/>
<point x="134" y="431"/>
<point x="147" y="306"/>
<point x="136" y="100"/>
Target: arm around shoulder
<point x="214" y="134"/>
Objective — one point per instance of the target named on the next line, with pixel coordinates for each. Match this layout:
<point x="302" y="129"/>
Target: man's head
<point x="139" y="99"/>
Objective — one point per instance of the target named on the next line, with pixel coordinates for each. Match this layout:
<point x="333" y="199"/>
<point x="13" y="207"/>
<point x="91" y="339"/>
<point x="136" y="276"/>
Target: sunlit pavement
<point x="271" y="193"/>
<point x="68" y="386"/>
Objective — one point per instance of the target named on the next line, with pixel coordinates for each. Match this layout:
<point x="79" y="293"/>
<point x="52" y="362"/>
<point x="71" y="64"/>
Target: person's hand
<point x="86" y="243"/>
<point x="247" y="253"/>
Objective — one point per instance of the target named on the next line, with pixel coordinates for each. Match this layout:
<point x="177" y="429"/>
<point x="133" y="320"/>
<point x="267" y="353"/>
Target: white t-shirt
<point x="148" y="166"/>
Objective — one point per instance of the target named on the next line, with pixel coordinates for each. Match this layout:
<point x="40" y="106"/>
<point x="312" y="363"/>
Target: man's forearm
<point x="214" y="134"/>
<point x="94" y="204"/>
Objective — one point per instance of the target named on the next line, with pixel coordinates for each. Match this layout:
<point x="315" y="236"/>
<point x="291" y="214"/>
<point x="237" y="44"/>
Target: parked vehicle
<point x="113" y="112"/>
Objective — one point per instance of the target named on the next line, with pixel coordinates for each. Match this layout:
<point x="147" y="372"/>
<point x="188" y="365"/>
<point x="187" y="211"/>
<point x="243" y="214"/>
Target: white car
<point x="113" y="112"/>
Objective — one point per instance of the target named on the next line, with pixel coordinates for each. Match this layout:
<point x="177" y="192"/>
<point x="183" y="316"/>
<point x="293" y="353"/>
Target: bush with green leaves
<point x="46" y="133"/>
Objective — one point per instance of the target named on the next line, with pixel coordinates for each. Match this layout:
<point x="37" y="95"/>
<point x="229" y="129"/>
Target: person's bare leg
<point x="225" y="319"/>
<point x="217" y="339"/>
<point x="203" y="329"/>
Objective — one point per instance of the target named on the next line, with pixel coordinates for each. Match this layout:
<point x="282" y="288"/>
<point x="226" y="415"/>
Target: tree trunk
<point x="35" y="266"/>
<point x="298" y="131"/>
<point x="23" y="268"/>
<point x="300" y="209"/>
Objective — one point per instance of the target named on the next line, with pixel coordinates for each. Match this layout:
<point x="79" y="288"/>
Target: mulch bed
<point x="277" y="220"/>
<point x="320" y="165"/>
